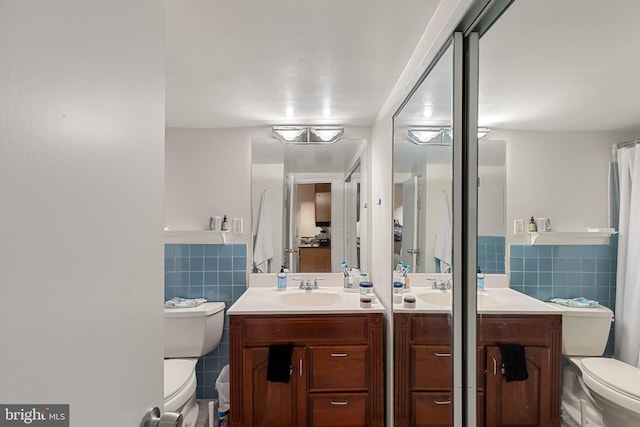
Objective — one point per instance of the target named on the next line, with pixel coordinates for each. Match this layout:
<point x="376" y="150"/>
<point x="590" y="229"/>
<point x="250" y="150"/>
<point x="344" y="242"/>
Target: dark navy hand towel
<point x="279" y="364"/>
<point x="514" y="362"/>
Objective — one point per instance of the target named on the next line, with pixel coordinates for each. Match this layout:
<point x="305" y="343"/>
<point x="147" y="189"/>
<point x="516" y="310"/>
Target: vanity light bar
<point x="437" y="136"/>
<point x="306" y="135"/>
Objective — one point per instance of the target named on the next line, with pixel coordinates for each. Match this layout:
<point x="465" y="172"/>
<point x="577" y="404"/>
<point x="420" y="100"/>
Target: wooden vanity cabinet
<point x="422" y="394"/>
<point x="336" y="374"/>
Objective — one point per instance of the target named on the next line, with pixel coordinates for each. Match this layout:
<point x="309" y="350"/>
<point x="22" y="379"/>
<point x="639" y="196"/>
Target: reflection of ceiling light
<point x="291" y="134"/>
<point x="429" y="135"/>
<point x="482" y="133"/>
<point x="307" y="134"/>
<point x="325" y="134"/>
<point x="437" y="135"/>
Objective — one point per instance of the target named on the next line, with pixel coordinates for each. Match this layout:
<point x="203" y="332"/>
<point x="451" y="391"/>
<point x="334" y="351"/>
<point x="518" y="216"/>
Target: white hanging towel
<point x="442" y="250"/>
<point x="263" y="244"/>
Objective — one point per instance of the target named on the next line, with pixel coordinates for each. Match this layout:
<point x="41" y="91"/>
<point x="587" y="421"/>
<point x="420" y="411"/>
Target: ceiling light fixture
<point x="437" y="135"/>
<point x="307" y="134"/>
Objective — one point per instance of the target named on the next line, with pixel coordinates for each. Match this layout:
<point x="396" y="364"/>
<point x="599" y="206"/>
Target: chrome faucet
<point x="441" y="285"/>
<point x="308" y="286"/>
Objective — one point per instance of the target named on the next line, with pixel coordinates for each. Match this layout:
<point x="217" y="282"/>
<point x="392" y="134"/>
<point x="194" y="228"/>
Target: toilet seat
<point x="179" y="383"/>
<point x="613" y="380"/>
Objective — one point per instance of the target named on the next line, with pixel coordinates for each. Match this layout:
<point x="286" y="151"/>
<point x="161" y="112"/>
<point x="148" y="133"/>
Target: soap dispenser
<point x="282" y="279"/>
<point x="480" y="279"/>
<point x="532" y="225"/>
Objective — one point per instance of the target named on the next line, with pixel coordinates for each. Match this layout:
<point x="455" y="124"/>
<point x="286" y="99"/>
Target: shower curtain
<point x="627" y="324"/>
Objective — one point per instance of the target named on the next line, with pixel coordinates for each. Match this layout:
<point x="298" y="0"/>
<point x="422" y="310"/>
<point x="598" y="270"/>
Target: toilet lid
<point x="177" y="375"/>
<point x="614" y="380"/>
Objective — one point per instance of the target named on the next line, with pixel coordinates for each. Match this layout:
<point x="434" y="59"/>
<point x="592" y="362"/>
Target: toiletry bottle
<point x="405" y="277"/>
<point x="480" y="279"/>
<point x="532" y="225"/>
<point x="282" y="279"/>
<point x="225" y="224"/>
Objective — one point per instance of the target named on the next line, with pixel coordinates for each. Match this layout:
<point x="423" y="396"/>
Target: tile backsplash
<point x="491" y="254"/>
<point x="215" y="272"/>
<point x="546" y="272"/>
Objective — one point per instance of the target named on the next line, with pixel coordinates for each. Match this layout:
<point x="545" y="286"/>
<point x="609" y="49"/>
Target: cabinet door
<point x="515" y="403"/>
<point x="323" y="209"/>
<point x="269" y="404"/>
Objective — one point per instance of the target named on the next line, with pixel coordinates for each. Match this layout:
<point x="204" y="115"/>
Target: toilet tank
<point x="192" y="332"/>
<point x="585" y="331"/>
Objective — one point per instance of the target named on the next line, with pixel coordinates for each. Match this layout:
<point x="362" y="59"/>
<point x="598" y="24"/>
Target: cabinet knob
<point x="338" y="354"/>
<point x="339" y="403"/>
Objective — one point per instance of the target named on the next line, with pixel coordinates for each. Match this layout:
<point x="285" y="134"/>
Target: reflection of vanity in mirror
<point x="547" y="153"/>
<point x="423" y="182"/>
<point x="311" y="198"/>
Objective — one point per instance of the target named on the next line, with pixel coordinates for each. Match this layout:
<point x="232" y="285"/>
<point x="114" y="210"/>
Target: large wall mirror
<point x="556" y="93"/>
<point x="422" y="181"/>
<point x="423" y="161"/>
<point x="307" y="200"/>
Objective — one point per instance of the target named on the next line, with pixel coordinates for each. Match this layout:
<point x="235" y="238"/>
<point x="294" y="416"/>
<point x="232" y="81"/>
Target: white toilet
<point x="597" y="391"/>
<point x="189" y="333"/>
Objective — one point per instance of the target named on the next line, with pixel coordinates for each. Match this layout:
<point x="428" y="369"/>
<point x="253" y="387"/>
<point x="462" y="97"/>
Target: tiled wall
<point x="491" y="254"/>
<point x="213" y="271"/>
<point x="547" y="272"/>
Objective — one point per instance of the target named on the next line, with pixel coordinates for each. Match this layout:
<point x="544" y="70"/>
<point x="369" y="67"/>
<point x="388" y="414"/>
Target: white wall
<point x="81" y="178"/>
<point x="491" y="201"/>
<point x="306" y="215"/>
<point x="208" y="173"/>
<point x="559" y="175"/>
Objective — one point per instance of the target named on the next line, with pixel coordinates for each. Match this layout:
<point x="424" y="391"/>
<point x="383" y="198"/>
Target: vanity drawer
<point x="431" y="329"/>
<point x="431" y="367"/>
<point x="313" y="329"/>
<point x="338" y="409"/>
<point x="338" y="367"/>
<point x="431" y="409"/>
<point x="435" y="409"/>
<point x="529" y="330"/>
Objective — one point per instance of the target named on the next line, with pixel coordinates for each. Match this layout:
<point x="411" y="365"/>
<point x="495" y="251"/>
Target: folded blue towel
<point x="576" y="302"/>
<point x="184" y="303"/>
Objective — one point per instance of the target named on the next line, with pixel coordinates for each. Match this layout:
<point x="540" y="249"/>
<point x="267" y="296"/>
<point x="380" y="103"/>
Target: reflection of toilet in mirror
<point x="597" y="391"/>
<point x="189" y="333"/>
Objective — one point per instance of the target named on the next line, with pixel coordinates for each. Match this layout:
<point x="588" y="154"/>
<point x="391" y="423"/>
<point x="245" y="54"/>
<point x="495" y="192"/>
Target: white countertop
<point x="261" y="300"/>
<point x="491" y="301"/>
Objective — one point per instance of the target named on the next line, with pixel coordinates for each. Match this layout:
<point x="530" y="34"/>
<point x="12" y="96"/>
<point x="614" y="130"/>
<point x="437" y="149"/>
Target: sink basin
<point x="308" y="299"/>
<point x="443" y="299"/>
